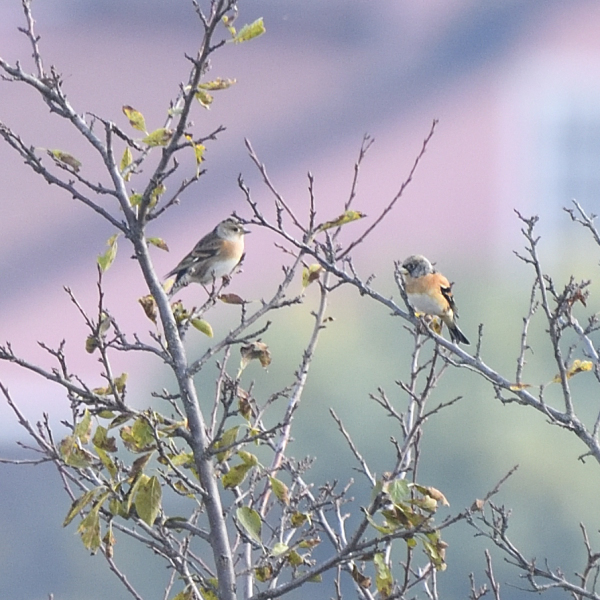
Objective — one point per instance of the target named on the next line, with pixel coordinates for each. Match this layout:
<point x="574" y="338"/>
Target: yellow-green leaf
<point x="148" y="500"/>
<point x="346" y="217"/>
<point x="158" y="242"/>
<point x="138" y="465"/>
<point x="280" y="490"/>
<point x="198" y="149"/>
<point x="83" y="429"/>
<point x="248" y="458"/>
<point x="217" y="84"/>
<point x="232" y="299"/>
<point x="120" y="382"/>
<point x="249" y="519"/>
<point x="66" y="159"/>
<point x="126" y="161"/>
<point x="426" y="503"/>
<point x="228" y="438"/>
<point x="78" y="505"/>
<point x="102" y="440"/>
<point x="384" y="529"/>
<point x="434" y="493"/>
<point x="143" y="433"/>
<point x="202" y="326"/>
<point x="174" y="427"/>
<point x="104" y="324"/>
<point x="435" y="548"/>
<point x="119" y="420"/>
<point x="298" y="519"/>
<point x="250" y="31"/>
<point x="383" y="576"/>
<point x="204" y="98"/>
<point x="228" y="22"/>
<point x="295" y="559"/>
<point x="310" y="274"/>
<point x="397" y="517"/>
<point x="106" y="260"/>
<point x="209" y="591"/>
<point x="139" y="437"/>
<point x="264" y="572"/>
<point x="136" y="119"/>
<point x="278" y="549"/>
<point x="178" y="109"/>
<point x="159" y="137"/>
<point x="188" y="594"/>
<point x="182" y="489"/>
<point x="182" y="459"/>
<point x="398" y="491"/>
<point x="149" y="305"/>
<point x="309" y="543"/>
<point x="156" y="193"/>
<point x="107" y="462"/>
<point x="135" y="199"/>
<point x="199" y="152"/>
<point x="89" y="529"/>
<point x="91" y="344"/>
<point x="516" y="387"/>
<point x="109" y="541"/>
<point x="578" y="366"/>
<point x="236" y="475"/>
<point x="180" y="313"/>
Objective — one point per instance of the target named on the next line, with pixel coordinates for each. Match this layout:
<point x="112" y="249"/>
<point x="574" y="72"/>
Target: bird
<point x="216" y="255"/>
<point x="429" y="292"/>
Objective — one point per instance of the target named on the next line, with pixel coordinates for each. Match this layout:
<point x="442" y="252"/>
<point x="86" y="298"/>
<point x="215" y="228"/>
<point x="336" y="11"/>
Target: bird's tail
<point x="456" y="335"/>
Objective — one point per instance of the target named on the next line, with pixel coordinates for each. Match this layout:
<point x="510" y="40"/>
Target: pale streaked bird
<point x="430" y="293"/>
<point x="215" y="256"/>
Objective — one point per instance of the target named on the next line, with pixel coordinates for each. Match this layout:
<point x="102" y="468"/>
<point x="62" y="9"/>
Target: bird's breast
<point x="424" y="303"/>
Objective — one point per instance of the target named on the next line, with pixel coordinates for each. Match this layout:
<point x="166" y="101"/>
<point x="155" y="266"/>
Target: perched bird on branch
<point x="430" y="293"/>
<point x="215" y="256"/>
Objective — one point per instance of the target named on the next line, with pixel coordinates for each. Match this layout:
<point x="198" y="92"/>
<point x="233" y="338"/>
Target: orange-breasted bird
<point x="216" y="255"/>
<point x="429" y="292"/>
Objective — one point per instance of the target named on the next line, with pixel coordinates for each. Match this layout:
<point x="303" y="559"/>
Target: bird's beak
<point x="245" y="231"/>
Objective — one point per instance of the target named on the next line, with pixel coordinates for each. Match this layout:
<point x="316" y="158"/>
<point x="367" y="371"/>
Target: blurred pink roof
<point x="505" y="83"/>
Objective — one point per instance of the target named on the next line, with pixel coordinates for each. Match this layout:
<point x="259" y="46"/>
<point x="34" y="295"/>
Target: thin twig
<point x="395" y="199"/>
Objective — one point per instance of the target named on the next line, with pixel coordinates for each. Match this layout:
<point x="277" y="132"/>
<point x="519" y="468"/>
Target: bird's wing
<point x="206" y="248"/>
<point x="446" y="290"/>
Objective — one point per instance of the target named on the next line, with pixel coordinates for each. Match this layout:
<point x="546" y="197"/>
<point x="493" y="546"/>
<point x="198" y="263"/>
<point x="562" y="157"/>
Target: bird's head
<point x="417" y="266"/>
<point x="231" y="229"/>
